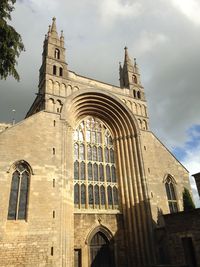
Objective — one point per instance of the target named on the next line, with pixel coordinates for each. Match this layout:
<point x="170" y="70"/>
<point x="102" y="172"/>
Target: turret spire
<point x="129" y="74"/>
<point x="53" y="28"/>
<point x="127" y="59"/>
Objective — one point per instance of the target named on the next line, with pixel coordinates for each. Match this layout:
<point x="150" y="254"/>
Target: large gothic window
<point x="95" y="180"/>
<point x="19" y="192"/>
<point x="171" y="195"/>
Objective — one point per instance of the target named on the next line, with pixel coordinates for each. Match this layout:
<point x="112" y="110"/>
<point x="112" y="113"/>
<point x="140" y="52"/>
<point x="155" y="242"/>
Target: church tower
<point x="130" y="77"/>
<point x="52" y="73"/>
<point x="130" y="82"/>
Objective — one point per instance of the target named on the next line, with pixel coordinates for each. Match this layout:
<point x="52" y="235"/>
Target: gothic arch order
<point x="102" y="250"/>
<point x="133" y="192"/>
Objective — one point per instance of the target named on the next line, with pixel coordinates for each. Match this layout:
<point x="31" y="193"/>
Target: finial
<point x="62" y="39"/>
<point x="49" y="31"/>
<point x="53" y="27"/>
<point x="135" y="63"/>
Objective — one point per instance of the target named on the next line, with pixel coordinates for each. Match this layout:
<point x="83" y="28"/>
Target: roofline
<point x="170" y="152"/>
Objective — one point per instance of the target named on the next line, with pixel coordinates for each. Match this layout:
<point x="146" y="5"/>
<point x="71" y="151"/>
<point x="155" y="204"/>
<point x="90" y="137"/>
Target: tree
<point x="11" y="43"/>
<point x="188" y="203"/>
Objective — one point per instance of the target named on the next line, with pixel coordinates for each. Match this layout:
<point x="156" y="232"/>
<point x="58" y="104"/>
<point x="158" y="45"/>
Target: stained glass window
<point x="17" y="209"/>
<point x="100" y="155"/>
<point x="75" y="151"/>
<point x="83" y="194"/>
<point x="108" y="173"/>
<point x="94" y="154"/>
<point x="76" y="170"/>
<point x="103" y="201"/>
<point x="82" y="152"/>
<point x="113" y="174"/>
<point x="115" y="195"/>
<point x="89" y="152"/>
<point x="112" y="160"/>
<point x="95" y="181"/>
<point x="95" y="172"/>
<point x="109" y="189"/>
<point x="99" y="141"/>
<point x="101" y="172"/>
<point x="76" y="194"/>
<point x="90" y="194"/>
<point x="106" y="154"/>
<point x="90" y="171"/>
<point x="171" y="196"/>
<point x="82" y="170"/>
<point x="96" y="193"/>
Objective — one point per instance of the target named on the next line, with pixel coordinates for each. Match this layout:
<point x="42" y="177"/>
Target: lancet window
<point x="95" y="179"/>
<point x="17" y="209"/>
<point x="171" y="195"/>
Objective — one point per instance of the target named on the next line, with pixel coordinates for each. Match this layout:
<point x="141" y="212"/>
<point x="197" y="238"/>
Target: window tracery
<point x="17" y="209"/>
<point x="171" y="195"/>
<point x="95" y="181"/>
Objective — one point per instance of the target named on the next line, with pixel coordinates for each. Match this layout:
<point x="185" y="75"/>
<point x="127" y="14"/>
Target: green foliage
<point x="188" y="203"/>
<point x="10" y="42"/>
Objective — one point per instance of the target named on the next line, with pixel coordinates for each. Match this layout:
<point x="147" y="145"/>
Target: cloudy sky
<point x="162" y="35"/>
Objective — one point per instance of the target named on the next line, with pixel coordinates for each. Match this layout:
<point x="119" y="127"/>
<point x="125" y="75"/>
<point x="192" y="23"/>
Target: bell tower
<point x="130" y="77"/>
<point x="53" y="73"/>
<point x="53" y="58"/>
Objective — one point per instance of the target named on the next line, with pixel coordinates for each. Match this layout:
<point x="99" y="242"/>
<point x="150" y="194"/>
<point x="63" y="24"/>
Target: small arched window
<point x="61" y="71"/>
<point x="134" y="79"/>
<point x="54" y="69"/>
<point x="57" y="53"/>
<point x="17" y="209"/>
<point x="138" y="94"/>
<point x="171" y="195"/>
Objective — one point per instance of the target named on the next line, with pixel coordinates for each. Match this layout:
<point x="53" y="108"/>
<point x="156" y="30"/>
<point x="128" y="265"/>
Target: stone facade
<point x="53" y="228"/>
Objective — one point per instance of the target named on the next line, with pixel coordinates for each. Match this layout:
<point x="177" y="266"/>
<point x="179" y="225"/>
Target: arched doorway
<point x="100" y="251"/>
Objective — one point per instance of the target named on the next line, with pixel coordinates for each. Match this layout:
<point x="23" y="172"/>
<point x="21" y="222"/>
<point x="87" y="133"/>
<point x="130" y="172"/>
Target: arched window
<point x="171" y="195"/>
<point x="76" y="194"/>
<point x="94" y="165"/>
<point x="138" y="94"/>
<point x="83" y="194"/>
<point x="61" y="71"/>
<point x="57" y="53"/>
<point x="134" y="79"/>
<point x="19" y="192"/>
<point x="54" y="69"/>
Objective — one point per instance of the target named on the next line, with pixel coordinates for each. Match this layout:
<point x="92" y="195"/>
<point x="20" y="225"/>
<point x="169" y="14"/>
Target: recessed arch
<point x="125" y="130"/>
<point x="108" y="108"/>
<point x="101" y="228"/>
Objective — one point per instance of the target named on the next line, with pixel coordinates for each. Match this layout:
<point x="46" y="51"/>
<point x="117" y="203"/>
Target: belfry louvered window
<point x="19" y="192"/>
<point x="171" y="195"/>
<point x="95" y="180"/>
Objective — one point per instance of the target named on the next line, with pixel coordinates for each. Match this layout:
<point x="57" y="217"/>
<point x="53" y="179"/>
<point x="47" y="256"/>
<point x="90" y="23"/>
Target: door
<point x="100" y="253"/>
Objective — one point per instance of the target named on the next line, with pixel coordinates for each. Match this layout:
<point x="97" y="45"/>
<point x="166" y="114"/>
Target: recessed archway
<point x="131" y="177"/>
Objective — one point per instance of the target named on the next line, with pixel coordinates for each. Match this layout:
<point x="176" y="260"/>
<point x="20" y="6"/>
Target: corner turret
<point x="130" y="76"/>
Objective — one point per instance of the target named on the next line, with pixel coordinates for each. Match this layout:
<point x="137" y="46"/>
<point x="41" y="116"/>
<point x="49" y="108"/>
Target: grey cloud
<point x="169" y="69"/>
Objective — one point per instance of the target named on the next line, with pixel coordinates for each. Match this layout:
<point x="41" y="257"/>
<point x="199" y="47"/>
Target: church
<point x="84" y="182"/>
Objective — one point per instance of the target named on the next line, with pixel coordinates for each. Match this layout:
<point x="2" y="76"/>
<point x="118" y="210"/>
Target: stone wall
<point x="178" y="226"/>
